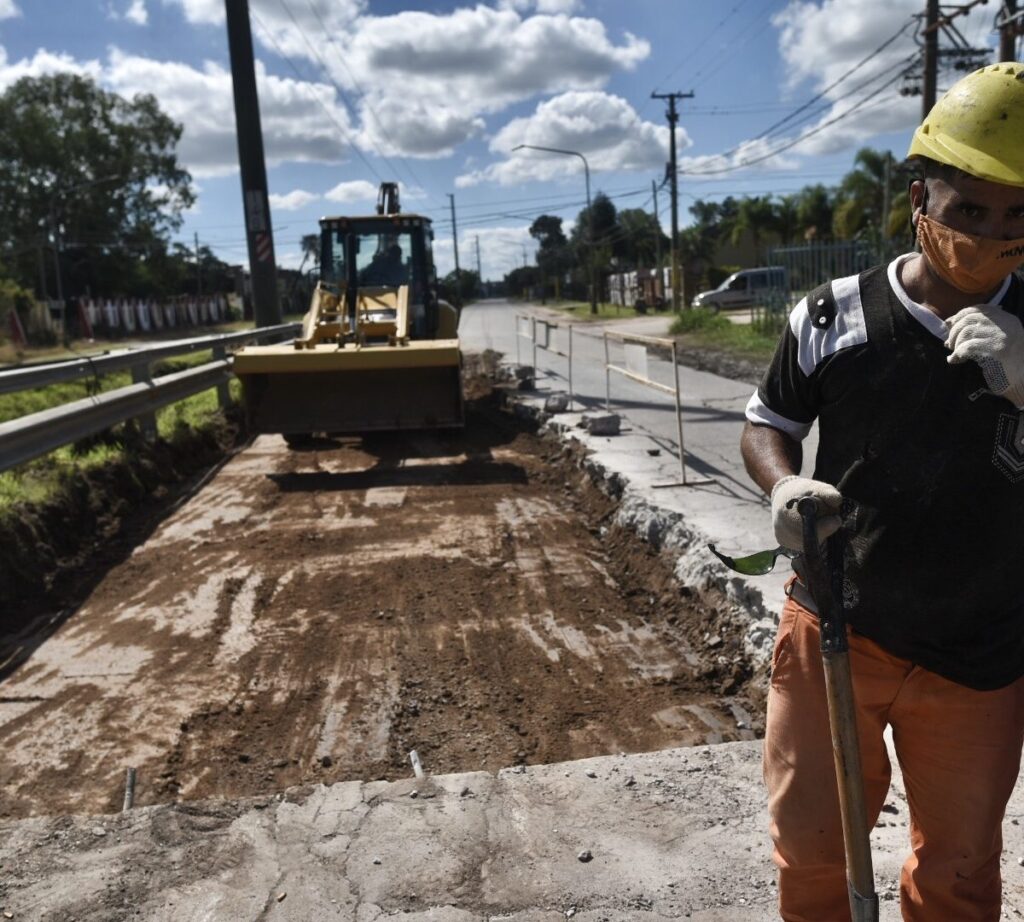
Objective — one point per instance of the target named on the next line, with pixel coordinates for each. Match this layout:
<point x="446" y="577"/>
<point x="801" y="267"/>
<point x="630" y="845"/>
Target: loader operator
<point x="386" y="268"/>
<point x="914" y="372"/>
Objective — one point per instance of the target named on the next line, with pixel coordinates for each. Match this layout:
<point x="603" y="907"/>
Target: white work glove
<point x="994" y="339"/>
<point x="786" y="518"/>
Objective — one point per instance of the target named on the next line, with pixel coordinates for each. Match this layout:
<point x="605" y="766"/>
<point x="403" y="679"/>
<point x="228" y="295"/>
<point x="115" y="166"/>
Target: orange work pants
<point x="959" y="750"/>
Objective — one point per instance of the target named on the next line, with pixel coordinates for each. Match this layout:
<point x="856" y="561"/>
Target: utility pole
<point x="479" y="271"/>
<point x="1008" y="31"/>
<point x="199" y="270"/>
<point x="931" y="57"/>
<point x="657" y="240"/>
<point x="258" y="232"/>
<point x="455" y="246"/>
<point x="673" y="117"/>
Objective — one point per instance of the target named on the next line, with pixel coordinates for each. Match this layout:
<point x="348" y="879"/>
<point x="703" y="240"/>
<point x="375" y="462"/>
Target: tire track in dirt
<point x="311" y="616"/>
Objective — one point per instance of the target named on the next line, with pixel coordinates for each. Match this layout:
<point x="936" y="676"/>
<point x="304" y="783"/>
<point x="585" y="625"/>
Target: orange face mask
<point x="975" y="265"/>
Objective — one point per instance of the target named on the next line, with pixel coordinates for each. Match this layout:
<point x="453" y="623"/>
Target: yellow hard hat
<point x="978" y="125"/>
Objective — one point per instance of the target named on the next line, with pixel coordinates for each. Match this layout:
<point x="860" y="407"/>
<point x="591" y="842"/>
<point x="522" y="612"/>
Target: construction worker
<point x="914" y="372"/>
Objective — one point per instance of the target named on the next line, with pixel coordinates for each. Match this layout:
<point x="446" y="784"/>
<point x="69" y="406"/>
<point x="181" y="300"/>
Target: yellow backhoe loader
<point x="378" y="350"/>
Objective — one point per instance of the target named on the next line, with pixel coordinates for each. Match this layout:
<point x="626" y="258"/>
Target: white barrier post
<point x="570" y="366"/>
<point x="679" y="415"/>
<point x="607" y="376"/>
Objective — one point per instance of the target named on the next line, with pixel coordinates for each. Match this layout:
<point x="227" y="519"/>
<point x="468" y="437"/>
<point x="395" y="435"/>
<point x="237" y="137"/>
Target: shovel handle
<point x="825" y="586"/>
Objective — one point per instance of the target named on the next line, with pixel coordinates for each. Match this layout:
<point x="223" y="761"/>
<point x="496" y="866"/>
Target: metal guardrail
<point x="20" y="379"/>
<point x="38" y="433"/>
<point x="637" y="357"/>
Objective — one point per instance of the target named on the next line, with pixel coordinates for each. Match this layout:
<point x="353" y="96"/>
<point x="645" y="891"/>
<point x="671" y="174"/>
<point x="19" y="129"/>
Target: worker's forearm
<point x="769" y="455"/>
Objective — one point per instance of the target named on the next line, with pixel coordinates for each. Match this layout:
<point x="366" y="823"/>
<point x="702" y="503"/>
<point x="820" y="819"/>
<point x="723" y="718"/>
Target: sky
<point x="436" y="94"/>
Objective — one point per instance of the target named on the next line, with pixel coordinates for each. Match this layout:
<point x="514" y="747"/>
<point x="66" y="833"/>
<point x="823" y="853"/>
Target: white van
<point x="744" y="288"/>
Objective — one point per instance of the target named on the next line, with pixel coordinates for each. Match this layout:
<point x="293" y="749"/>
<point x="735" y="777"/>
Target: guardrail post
<point x="223" y="390"/>
<point x="142" y="374"/>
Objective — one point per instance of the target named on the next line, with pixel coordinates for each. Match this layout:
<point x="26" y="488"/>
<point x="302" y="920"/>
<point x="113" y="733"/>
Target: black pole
<point x="258" y="231"/>
<point x="931" y="57"/>
<point x="659" y="290"/>
<point x="1008" y="32"/>
<point x="673" y="117"/>
<point x="455" y="246"/>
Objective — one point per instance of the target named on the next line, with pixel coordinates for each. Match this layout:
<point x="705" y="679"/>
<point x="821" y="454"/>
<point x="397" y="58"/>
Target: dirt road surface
<point x="314" y="615"/>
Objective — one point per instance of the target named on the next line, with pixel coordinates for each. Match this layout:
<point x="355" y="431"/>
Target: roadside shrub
<point x="701" y="319"/>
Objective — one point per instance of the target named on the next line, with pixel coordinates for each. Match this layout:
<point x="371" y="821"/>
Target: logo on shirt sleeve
<point x="1008" y="456"/>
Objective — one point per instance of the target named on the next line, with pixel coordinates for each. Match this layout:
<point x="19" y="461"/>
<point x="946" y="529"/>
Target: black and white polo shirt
<point x="932" y="466"/>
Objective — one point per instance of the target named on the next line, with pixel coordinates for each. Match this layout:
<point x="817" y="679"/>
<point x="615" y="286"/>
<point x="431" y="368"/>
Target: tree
<point x="461" y="289"/>
<point x="310" y="244"/>
<point x="90" y="176"/>
<point x="554" y="256"/>
<point x="862" y="195"/>
<point x="604" y="231"/>
<point x="814" y="211"/>
<point x="755" y="218"/>
<point x="639" y="237"/>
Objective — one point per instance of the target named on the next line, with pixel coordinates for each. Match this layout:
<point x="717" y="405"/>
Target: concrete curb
<point x="663" y="528"/>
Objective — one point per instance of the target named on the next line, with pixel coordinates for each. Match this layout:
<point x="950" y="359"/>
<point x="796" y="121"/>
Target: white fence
<point x="112" y="318"/>
<point x="545" y="336"/>
<point x="635" y="368"/>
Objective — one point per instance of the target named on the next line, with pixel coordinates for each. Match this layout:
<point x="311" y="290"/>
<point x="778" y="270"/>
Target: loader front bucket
<point x="348" y="390"/>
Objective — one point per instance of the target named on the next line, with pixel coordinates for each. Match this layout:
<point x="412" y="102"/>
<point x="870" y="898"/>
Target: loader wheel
<point x="299" y="439"/>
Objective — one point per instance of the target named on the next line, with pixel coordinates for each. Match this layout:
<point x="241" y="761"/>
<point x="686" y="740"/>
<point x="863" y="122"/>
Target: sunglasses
<point x="757" y="564"/>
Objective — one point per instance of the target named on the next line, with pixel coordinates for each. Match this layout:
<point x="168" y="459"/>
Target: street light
<point x="590" y="212"/>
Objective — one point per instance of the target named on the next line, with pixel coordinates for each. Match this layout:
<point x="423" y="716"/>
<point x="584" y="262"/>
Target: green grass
<point x="22" y="403"/>
<point x="44" y="478"/>
<point x="703" y="328"/>
<point x="580" y="310"/>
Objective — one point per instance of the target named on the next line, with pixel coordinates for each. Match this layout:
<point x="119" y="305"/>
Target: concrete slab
<point x="677" y="834"/>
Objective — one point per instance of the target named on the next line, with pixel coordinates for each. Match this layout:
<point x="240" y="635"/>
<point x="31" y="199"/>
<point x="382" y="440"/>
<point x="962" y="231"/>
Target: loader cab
<point x="371" y="256"/>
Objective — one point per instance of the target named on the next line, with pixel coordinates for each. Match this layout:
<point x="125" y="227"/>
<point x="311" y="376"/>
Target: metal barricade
<point x="539" y="332"/>
<point x="635" y="348"/>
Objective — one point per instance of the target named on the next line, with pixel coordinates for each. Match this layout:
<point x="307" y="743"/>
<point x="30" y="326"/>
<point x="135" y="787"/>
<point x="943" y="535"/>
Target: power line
<point x="701" y="43"/>
<point x="363" y="94"/>
<point x="731" y="55"/>
<point x="316" y="96"/>
<point x="349" y="105"/>
<point x="802" y="137"/>
<point x="836" y="82"/>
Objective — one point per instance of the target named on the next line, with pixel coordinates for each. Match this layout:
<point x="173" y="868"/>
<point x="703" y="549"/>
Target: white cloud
<point x="422" y="82"/>
<point x="311" y="19"/>
<point x="605" y="129"/>
<point x="835" y="42"/>
<point x="356" y="191"/>
<point x="501" y="250"/>
<point x="360" y="195"/>
<point x="292" y="201"/>
<point x="295" y="126"/>
<point x="9" y="9"/>
<point x="44" y="62"/>
<point x="136" y="13"/>
<point x="543" y="6"/>
<point x="427" y="79"/>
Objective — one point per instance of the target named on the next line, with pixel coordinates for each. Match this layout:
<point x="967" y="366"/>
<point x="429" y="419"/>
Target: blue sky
<point x="437" y="95"/>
